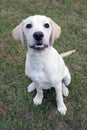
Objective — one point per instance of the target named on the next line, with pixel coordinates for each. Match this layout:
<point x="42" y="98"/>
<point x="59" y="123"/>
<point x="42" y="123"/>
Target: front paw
<point x="37" y="100"/>
<point x="62" y="109"/>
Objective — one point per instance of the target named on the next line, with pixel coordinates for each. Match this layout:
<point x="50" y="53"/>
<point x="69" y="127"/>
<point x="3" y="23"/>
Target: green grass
<point x="17" y="111"/>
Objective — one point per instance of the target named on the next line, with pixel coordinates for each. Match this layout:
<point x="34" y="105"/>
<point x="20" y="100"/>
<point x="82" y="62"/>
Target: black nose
<point x="38" y="36"/>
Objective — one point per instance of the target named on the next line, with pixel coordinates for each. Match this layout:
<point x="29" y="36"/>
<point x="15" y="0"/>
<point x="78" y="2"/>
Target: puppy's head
<point x="40" y="32"/>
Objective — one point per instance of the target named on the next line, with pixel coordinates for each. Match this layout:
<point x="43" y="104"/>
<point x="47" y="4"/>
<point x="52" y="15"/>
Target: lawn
<point x="17" y="111"/>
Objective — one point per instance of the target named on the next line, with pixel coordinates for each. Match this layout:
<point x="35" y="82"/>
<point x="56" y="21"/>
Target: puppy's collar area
<point x="39" y="46"/>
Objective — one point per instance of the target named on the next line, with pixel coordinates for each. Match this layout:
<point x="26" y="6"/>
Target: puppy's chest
<point x="35" y="69"/>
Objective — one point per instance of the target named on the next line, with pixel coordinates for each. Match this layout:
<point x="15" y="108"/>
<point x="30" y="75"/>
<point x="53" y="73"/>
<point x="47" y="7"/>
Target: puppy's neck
<point x="38" y="59"/>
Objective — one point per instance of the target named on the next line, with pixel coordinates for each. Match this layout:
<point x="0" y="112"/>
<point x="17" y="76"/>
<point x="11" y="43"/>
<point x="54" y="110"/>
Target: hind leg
<point x="67" y="77"/>
<point x="65" y="90"/>
<point x="31" y="87"/>
<point x="66" y="81"/>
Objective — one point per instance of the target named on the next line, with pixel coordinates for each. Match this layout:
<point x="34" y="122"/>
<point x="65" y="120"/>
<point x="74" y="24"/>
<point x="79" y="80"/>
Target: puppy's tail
<point x="65" y="54"/>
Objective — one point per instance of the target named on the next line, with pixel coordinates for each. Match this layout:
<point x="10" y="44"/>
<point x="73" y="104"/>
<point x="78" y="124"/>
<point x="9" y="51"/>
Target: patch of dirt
<point x="57" y="3"/>
<point x="73" y="15"/>
<point x="77" y="5"/>
<point x="2" y="108"/>
<point x="29" y="116"/>
<point x="75" y="66"/>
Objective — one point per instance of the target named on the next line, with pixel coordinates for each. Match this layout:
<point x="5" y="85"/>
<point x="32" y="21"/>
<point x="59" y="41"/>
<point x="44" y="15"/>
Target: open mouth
<point x="39" y="46"/>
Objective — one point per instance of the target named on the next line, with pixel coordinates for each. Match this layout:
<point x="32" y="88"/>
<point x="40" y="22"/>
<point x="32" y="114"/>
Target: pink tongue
<point x="39" y="45"/>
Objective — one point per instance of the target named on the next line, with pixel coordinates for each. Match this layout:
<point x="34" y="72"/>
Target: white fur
<point x="45" y="67"/>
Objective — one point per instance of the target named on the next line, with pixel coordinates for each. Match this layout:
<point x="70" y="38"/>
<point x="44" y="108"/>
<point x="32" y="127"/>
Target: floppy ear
<point x="56" y="31"/>
<point x="17" y="33"/>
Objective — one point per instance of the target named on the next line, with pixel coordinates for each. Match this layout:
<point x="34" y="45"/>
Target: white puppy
<point x="44" y="66"/>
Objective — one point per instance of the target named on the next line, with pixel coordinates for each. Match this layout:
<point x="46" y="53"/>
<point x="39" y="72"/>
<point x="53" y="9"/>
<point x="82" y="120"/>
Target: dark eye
<point x="46" y="25"/>
<point x="28" y="25"/>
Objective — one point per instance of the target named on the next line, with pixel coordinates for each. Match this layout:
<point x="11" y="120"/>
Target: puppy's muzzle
<point x="39" y="45"/>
